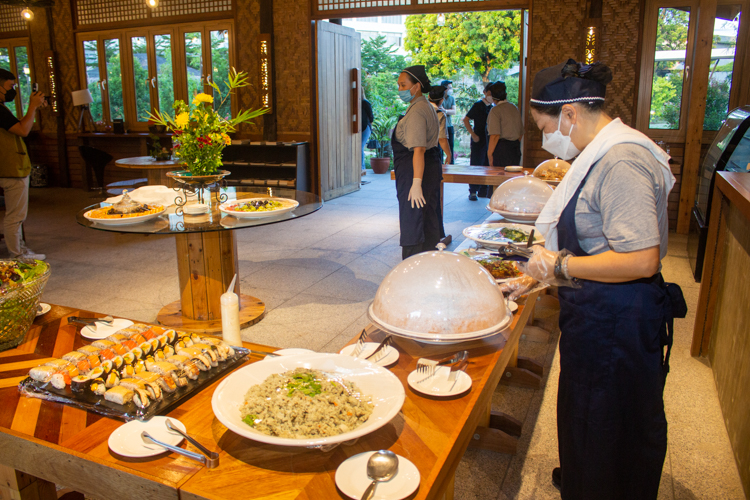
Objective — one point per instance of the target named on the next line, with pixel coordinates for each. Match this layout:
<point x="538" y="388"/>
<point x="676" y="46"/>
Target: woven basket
<point x="18" y="310"/>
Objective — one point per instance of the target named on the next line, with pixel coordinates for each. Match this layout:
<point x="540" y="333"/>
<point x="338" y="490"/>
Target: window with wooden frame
<point x="133" y="72"/>
<point x="667" y="62"/>
<point x="15" y="56"/>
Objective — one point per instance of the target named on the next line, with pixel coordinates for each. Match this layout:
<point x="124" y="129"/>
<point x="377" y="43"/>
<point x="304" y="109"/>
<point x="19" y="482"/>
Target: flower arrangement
<point x="201" y="133"/>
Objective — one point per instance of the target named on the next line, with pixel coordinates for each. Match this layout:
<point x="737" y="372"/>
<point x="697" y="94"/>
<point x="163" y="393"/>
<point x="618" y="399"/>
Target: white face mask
<point x="560" y="145"/>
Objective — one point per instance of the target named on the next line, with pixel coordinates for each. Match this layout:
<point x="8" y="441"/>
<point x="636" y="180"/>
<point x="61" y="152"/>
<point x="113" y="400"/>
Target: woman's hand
<point x="518" y="286"/>
<point x="548" y="266"/>
<point x="415" y="194"/>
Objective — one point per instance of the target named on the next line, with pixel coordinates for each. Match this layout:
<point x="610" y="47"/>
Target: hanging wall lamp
<point x="152" y="3"/>
<point x="27" y="14"/>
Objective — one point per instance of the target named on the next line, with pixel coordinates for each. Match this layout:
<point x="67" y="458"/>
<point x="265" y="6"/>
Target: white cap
<point x="81" y="97"/>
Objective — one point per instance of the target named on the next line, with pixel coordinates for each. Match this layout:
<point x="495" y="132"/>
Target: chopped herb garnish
<point x="250" y="420"/>
<point x="304" y="383"/>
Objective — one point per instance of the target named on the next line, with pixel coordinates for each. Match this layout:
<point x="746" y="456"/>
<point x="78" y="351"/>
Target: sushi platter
<point x="134" y="374"/>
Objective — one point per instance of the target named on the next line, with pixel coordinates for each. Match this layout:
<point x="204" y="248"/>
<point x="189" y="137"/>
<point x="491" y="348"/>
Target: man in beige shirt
<point x="505" y="129"/>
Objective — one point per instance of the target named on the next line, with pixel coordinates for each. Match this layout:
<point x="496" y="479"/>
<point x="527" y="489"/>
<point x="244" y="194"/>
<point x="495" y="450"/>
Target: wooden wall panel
<point x="247" y="28"/>
<point x="67" y="63"/>
<point x="619" y="50"/>
<point x="294" y="79"/>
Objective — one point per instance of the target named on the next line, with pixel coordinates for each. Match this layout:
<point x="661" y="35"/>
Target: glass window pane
<point x="194" y="59"/>
<point x="722" y="65"/>
<point x="140" y="75"/>
<point x="164" y="79"/>
<point x="114" y="79"/>
<point x="220" y="70"/>
<point x="91" y="60"/>
<point x="23" y="77"/>
<point x="669" y="68"/>
<point x="5" y="64"/>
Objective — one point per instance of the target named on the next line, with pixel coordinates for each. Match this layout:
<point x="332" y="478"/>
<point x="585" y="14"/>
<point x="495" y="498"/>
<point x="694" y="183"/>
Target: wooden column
<point x="696" y="111"/>
<point x="15" y="485"/>
<point x="206" y="264"/>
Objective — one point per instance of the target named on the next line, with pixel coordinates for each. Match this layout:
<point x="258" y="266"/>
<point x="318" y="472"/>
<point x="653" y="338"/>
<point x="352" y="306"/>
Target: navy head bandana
<point x="419" y="73"/>
<point x="550" y="88"/>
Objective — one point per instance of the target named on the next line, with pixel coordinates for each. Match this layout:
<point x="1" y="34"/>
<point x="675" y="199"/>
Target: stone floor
<point x="317" y="275"/>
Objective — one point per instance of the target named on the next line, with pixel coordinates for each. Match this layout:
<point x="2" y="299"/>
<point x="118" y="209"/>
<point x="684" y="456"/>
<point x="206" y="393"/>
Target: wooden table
<point x="156" y="171"/>
<point x="53" y="443"/>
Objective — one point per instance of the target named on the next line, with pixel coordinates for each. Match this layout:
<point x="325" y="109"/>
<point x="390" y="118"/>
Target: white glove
<point x="542" y="266"/>
<point x="518" y="287"/>
<point x="415" y="194"/>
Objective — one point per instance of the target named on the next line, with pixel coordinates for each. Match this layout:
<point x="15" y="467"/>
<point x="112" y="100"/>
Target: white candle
<point x="230" y="319"/>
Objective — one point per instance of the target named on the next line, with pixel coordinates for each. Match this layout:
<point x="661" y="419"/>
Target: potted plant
<point x="381" y="129"/>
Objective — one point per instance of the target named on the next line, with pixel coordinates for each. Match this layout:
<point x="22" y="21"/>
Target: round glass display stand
<point x="207" y="254"/>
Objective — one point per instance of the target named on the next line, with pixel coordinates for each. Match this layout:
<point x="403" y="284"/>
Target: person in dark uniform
<point x="417" y="165"/>
<point x="606" y="229"/>
<point x="478" y="114"/>
<point x="449" y="108"/>
<point x="367" y="118"/>
<point x="505" y="129"/>
<point x="436" y="97"/>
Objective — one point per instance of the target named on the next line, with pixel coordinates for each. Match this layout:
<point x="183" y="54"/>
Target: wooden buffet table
<point x="156" y="171"/>
<point x="721" y="321"/>
<point x="53" y="443"/>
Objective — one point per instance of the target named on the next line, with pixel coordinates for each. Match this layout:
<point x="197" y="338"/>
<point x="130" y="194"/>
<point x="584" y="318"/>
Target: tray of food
<point x="500" y="269"/>
<point x="552" y="171"/>
<point x="312" y="400"/>
<point x="134" y="374"/>
<point x="495" y="235"/>
<point x="109" y="216"/>
<point x="256" y="208"/>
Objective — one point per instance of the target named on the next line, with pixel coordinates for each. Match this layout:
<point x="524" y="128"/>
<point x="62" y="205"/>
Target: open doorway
<point x="470" y="49"/>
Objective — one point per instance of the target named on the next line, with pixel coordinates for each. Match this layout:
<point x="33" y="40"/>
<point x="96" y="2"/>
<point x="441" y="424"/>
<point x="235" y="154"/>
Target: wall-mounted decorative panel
<point x="325" y="9"/>
<point x="247" y="23"/>
<point x="189" y="7"/>
<point x="291" y="46"/>
<point x="618" y="47"/>
<point x="10" y="18"/>
<point x="110" y="11"/>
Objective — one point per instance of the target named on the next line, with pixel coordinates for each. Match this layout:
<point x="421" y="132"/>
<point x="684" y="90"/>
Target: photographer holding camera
<point x="15" y="165"/>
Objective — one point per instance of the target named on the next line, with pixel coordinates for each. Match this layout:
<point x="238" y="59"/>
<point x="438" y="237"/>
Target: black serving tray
<point x="97" y="404"/>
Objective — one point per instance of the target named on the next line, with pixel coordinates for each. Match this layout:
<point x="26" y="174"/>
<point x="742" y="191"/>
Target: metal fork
<point x="429" y="369"/>
<point x="454" y="372"/>
<point x="360" y="346"/>
<point x="380" y="350"/>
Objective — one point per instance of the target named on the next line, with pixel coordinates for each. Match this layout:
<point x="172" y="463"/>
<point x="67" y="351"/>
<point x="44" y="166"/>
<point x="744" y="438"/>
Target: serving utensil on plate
<point x="360" y="344"/>
<point x="107" y="320"/>
<point x="212" y="458"/>
<point x="380" y="349"/>
<point x="455" y="370"/>
<point x="429" y="366"/>
<point x="381" y="466"/>
<point x="209" y="463"/>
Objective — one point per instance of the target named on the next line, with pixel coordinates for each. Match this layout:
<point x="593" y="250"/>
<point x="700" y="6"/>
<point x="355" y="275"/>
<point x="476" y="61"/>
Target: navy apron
<point x="421" y="228"/>
<point x="611" y="426"/>
<point x="506" y="153"/>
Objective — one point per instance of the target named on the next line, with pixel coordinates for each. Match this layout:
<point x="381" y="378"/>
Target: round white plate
<point x="352" y="480"/>
<point x="102" y="331"/>
<point x="292" y="352"/>
<point x="512" y="306"/>
<point x="438" y="385"/>
<point x="43" y="309"/>
<point x="389" y="357"/>
<point x="473" y="232"/>
<point x="126" y="221"/>
<point x="126" y="439"/>
<point x="226" y="208"/>
<point x="513" y="169"/>
<point x="384" y="388"/>
<point x="195" y="208"/>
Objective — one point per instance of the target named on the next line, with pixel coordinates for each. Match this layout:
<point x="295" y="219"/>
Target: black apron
<point x="506" y="153"/>
<point x="421" y="228"/>
<point x="611" y="426"/>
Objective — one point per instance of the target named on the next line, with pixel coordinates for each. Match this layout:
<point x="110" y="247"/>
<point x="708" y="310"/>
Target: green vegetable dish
<point x="15" y="273"/>
<point x="506" y="233"/>
<point x="258" y="206"/>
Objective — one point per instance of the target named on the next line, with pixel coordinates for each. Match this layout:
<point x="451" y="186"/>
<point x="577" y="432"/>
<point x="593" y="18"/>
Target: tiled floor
<point x="317" y="275"/>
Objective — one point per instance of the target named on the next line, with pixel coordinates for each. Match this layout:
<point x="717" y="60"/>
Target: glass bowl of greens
<point x="21" y="286"/>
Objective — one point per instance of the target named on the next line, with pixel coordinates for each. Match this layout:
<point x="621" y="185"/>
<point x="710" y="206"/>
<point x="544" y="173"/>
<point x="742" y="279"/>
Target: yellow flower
<point x="199" y="98"/>
<point x="227" y="139"/>
<point x="182" y="120"/>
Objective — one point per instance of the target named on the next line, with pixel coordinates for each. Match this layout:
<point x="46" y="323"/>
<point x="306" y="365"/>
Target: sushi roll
<point x="202" y="361"/>
<point x="119" y="395"/>
<point x="168" y="350"/>
<point x="159" y="355"/>
<point x="142" y="327"/>
<point x="89" y="350"/>
<point x="60" y="364"/>
<point x="185" y="338"/>
<point x="127" y="371"/>
<point x="171" y="336"/>
<point x="221" y="345"/>
<point x="128" y="358"/>
<point x="60" y="379"/>
<point x="117" y="362"/>
<point x="103" y="344"/>
<point x="80" y="383"/>
<point x="107" y="366"/>
<point x="149" y="334"/>
<point x="155" y="344"/>
<point x="94" y="361"/>
<point x="132" y="382"/>
<point x="210" y="351"/>
<point x="42" y="373"/>
<point x="129" y="344"/>
<point x="74" y="357"/>
<point x="138" y="338"/>
<point x="138" y="353"/>
<point x="112" y="379"/>
<point x="140" y="398"/>
<point x="97" y="372"/>
<point x="83" y="365"/>
<point x="139" y="366"/>
<point x="119" y="349"/>
<point x="146" y="348"/>
<point x="163" y="340"/>
<point x="117" y="338"/>
<point x="162" y="368"/>
<point x="155" y="383"/>
<point x="107" y="354"/>
<point x="97" y="386"/>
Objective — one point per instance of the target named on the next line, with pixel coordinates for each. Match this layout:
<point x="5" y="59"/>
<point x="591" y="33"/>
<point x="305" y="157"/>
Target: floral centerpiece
<point x="201" y="133"/>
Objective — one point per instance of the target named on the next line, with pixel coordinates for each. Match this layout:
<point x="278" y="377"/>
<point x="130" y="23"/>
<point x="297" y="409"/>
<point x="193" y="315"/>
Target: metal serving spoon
<point x="381" y="466"/>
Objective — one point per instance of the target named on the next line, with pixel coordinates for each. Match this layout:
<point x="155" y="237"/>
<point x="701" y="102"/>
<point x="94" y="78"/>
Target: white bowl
<point x="384" y="388"/>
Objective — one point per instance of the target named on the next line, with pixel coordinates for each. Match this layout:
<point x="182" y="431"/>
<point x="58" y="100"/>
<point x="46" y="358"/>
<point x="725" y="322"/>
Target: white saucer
<point x="291" y="352"/>
<point x="439" y="385"/>
<point x="126" y="439"/>
<point x="352" y="480"/>
<point x="389" y="357"/>
<point x="513" y="169"/>
<point x="195" y="208"/>
<point x="45" y="308"/>
<point x="102" y="331"/>
<point x="512" y="306"/>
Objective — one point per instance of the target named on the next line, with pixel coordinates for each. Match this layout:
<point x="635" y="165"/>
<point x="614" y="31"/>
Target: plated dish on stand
<point x="496" y="235"/>
<point x="104" y="217"/>
<point x="552" y="171"/>
<point x="256" y="208"/>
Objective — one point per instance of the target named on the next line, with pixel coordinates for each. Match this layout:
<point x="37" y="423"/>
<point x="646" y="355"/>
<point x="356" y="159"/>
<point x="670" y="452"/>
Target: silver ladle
<point x="381" y="466"/>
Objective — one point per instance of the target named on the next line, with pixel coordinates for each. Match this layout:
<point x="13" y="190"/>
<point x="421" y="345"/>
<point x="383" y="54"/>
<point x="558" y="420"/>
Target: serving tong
<point x="107" y="320"/>
<point x="210" y="458"/>
<point x="429" y="367"/>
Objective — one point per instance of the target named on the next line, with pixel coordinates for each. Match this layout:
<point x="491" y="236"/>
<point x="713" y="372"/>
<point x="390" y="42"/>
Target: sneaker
<point x="472" y="197"/>
<point x="28" y="254"/>
<point x="557" y="477"/>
